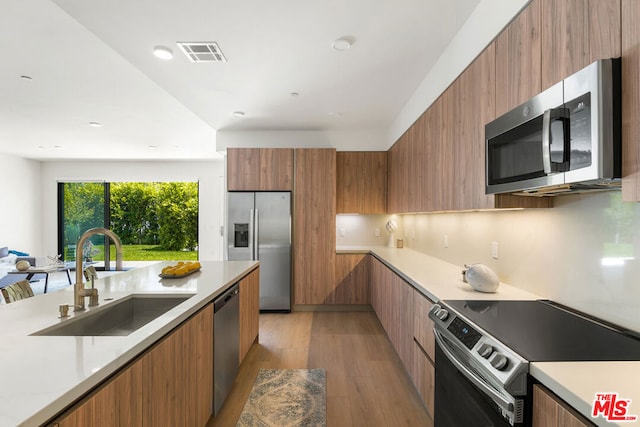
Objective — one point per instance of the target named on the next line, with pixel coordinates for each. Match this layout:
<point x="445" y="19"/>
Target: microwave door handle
<point x="551" y="115"/>
<point x="546" y="142"/>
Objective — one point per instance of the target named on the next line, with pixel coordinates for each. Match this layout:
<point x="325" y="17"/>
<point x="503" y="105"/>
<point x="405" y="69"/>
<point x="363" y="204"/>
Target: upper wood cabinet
<point x="361" y="182"/>
<point x="259" y="169"/>
<point x="575" y="33"/>
<point x="314" y="225"/>
<point x="630" y="100"/>
<point x="518" y="60"/>
<point x="438" y="164"/>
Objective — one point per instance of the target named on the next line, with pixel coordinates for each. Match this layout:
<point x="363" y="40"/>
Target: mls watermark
<point x="612" y="408"/>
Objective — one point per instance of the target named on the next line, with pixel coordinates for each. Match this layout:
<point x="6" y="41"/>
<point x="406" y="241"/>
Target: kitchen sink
<point x="119" y="318"/>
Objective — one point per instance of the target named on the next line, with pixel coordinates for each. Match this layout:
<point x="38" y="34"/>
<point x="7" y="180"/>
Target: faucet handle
<point x="64" y="310"/>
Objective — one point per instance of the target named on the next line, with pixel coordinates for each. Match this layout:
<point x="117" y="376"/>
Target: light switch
<point x="445" y="241"/>
<point x="494" y="250"/>
<point x="342" y="232"/>
<point x="377" y="232"/>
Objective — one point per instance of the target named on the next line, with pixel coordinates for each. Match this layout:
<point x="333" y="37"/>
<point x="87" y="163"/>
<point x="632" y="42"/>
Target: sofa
<point x="8" y="260"/>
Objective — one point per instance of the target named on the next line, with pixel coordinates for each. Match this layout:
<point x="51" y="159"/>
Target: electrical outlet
<point x="342" y="232"/>
<point x="376" y="232"/>
<point x="445" y="241"/>
<point x="494" y="250"/>
<point x="413" y="235"/>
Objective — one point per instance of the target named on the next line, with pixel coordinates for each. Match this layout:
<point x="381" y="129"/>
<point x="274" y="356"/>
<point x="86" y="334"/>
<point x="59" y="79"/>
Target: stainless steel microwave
<point x="566" y="138"/>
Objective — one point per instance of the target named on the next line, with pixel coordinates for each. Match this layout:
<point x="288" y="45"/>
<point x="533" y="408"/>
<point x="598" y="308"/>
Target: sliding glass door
<point x="81" y="206"/>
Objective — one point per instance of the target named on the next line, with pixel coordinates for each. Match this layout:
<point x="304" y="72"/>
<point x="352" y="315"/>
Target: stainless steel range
<point x="483" y="351"/>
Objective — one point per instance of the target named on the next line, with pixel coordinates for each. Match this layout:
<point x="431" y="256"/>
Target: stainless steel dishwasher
<point x="226" y="337"/>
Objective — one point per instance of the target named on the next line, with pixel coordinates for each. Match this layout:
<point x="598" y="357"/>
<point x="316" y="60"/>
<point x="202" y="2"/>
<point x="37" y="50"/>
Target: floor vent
<point x="202" y="51"/>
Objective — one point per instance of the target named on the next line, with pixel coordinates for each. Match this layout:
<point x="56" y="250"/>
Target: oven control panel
<point x="481" y="350"/>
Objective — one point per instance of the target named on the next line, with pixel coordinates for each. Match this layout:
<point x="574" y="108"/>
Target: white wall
<point x="573" y="253"/>
<point x="485" y="23"/>
<point x="209" y="174"/>
<point x="21" y="211"/>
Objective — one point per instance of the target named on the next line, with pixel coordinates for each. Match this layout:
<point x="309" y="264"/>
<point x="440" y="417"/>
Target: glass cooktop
<point x="542" y="331"/>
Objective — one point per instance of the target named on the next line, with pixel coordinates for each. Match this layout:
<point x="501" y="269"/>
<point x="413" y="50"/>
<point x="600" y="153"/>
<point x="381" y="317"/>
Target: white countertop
<point x="578" y="382"/>
<point x="42" y="375"/>
<point x="436" y="279"/>
<point x="575" y="382"/>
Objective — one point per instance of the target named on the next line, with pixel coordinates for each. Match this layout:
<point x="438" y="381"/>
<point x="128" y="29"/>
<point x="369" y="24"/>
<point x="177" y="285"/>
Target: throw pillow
<point x="4" y="252"/>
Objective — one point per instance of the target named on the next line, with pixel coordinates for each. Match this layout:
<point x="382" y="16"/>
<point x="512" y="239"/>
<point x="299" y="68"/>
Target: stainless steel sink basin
<point x="119" y="318"/>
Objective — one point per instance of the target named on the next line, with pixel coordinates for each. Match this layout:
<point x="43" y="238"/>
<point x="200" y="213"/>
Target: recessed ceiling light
<point x="25" y="77"/>
<point x="335" y="114"/>
<point x="95" y="124"/>
<point x="294" y="94"/>
<point x="58" y="147"/>
<point x="163" y="52"/>
<point x="238" y="114"/>
<point x="343" y="43"/>
<point x="152" y="147"/>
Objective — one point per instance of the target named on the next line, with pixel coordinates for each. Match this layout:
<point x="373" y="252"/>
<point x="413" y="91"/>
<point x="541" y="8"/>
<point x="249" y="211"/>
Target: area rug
<point x="286" y="397"/>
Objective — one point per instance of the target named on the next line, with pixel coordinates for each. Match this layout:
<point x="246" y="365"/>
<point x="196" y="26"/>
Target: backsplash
<point x="580" y="253"/>
<point x="361" y="230"/>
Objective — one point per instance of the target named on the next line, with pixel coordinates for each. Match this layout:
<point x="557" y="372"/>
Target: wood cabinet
<point x="438" y="164"/>
<point x="361" y="182"/>
<point x="518" y="60"/>
<point x="630" y="100"/>
<point x="550" y="411"/>
<point x="575" y="33"/>
<point x="314" y="225"/>
<point x="423" y="368"/>
<point x="177" y="375"/>
<point x="170" y="384"/>
<point x="116" y="403"/>
<point x="249" y="311"/>
<point x="352" y="279"/>
<point x="259" y="169"/>
<point x="392" y="300"/>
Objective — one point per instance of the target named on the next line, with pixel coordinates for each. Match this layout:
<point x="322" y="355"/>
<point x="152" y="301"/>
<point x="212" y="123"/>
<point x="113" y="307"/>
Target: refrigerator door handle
<point x="252" y="234"/>
<point x="257" y="236"/>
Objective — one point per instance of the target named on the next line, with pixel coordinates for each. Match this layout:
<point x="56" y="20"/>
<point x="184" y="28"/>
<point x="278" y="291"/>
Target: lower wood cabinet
<point x="117" y="403"/>
<point x="352" y="279"/>
<point x="169" y="385"/>
<point x="392" y="300"/>
<point x="423" y="372"/>
<point x="249" y="311"/>
<point x="550" y="411"/>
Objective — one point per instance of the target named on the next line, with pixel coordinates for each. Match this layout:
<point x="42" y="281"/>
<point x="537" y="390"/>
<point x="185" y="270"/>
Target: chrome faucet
<point x="79" y="291"/>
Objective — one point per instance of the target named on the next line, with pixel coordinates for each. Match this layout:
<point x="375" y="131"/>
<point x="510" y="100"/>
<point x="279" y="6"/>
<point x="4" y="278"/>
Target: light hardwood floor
<point x="366" y="383"/>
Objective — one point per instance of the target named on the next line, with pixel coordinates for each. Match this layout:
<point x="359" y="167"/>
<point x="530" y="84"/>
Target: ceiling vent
<point x="202" y="51"/>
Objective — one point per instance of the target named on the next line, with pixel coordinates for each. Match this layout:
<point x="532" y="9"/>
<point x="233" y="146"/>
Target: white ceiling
<point x="92" y="61"/>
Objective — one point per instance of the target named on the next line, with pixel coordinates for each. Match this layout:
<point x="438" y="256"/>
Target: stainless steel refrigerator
<point x="259" y="228"/>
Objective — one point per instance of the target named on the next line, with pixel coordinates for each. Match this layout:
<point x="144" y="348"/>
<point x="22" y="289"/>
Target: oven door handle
<point x="497" y="397"/>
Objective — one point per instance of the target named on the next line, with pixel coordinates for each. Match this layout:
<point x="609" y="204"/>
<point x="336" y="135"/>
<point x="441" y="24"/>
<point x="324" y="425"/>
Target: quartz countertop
<point x="42" y="375"/>
<point x="575" y="382"/>
<point x="436" y="279"/>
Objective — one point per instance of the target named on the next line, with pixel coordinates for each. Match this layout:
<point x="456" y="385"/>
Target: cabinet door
<point x="575" y="33"/>
<point x="518" y="60"/>
<point x="423" y="376"/>
<point x="630" y="100"/>
<point x="117" y="403"/>
<point x="352" y="279"/>
<point x="249" y="311"/>
<point x="551" y="411"/>
<point x="423" y="325"/>
<point x="398" y="175"/>
<point x="314" y="225"/>
<point x="361" y="182"/>
<point x="178" y="375"/>
<point x="259" y="169"/>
